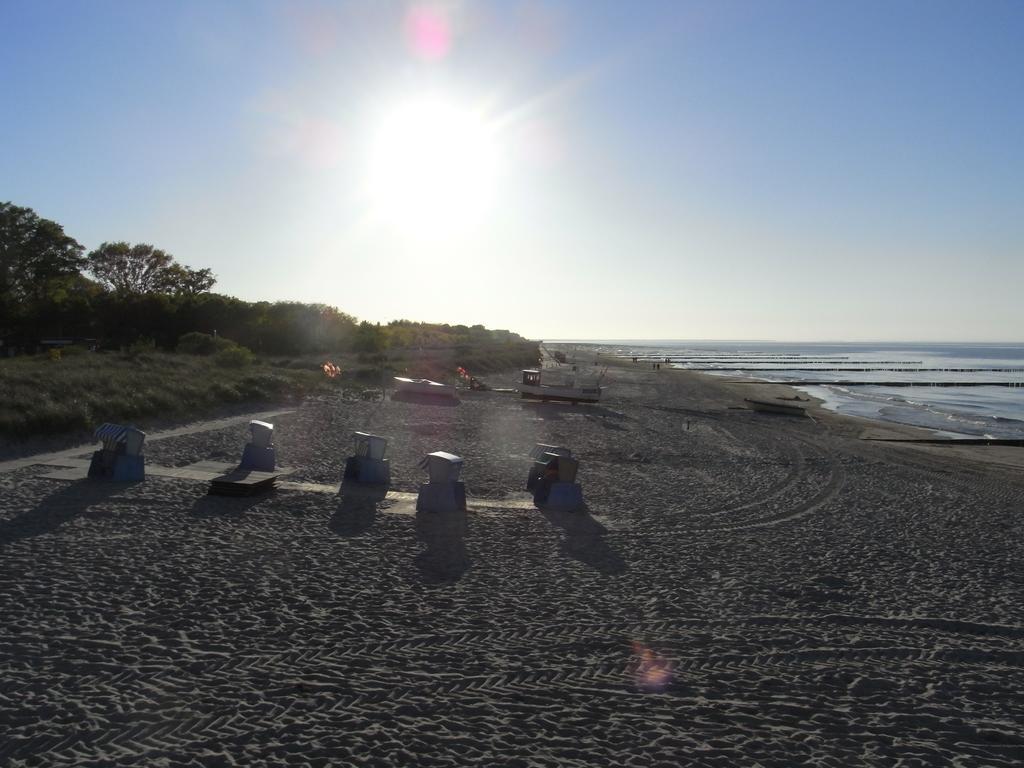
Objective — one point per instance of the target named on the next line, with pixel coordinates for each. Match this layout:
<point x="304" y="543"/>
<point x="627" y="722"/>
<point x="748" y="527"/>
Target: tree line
<point x="122" y="293"/>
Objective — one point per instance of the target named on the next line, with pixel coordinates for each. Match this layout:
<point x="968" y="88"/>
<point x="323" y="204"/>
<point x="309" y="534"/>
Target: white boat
<point x="420" y="387"/>
<point x="533" y="388"/>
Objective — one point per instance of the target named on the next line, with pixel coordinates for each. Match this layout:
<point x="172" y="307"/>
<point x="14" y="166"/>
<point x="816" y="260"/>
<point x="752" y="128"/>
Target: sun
<point x="432" y="166"/>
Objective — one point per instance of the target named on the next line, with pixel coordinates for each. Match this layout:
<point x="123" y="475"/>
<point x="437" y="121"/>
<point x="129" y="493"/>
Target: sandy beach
<point x="743" y="589"/>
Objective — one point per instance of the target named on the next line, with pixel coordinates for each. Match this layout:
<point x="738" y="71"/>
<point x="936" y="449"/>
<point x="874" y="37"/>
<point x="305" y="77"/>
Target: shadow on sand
<point x="584" y="541"/>
<point x="358" y="509"/>
<point x="606" y="417"/>
<point x="77" y="499"/>
<point x="412" y="397"/>
<point x="224" y="506"/>
<point x="445" y="559"/>
<point x="555" y="411"/>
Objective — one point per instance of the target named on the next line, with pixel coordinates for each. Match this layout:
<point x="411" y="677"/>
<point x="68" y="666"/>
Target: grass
<point x="437" y="363"/>
<point x="41" y="396"/>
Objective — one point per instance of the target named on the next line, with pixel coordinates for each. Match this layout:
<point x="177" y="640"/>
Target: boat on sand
<point x="532" y="388"/>
<point x="423" y="387"/>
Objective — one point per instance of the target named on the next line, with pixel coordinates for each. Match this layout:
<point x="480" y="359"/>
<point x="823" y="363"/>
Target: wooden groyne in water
<point x="759" y="360"/>
<point x="734" y="361"/>
<point x="783" y="360"/>
<point x="866" y="370"/>
<point x="818" y="383"/>
<point x="776" y="360"/>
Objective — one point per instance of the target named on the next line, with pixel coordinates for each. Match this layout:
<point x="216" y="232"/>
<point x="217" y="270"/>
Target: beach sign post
<point x="368" y="465"/>
<point x="259" y="451"/>
<point x="443" y="492"/>
<point x="556" y="489"/>
<point x="120" y="459"/>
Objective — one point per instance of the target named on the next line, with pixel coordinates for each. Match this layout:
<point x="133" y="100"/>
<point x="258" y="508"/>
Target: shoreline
<point x="854" y="427"/>
<point x="948" y="388"/>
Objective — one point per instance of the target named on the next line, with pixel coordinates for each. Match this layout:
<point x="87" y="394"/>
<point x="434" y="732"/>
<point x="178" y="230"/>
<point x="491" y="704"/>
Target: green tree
<point x="180" y="280"/>
<point x="369" y="338"/>
<point x="68" y="308"/>
<point x="128" y="269"/>
<point x="135" y="269"/>
<point x="35" y="257"/>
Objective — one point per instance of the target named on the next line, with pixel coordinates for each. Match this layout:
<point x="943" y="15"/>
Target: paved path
<point x="190" y="429"/>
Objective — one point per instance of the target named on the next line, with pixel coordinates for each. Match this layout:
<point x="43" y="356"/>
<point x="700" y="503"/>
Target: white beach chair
<point x="444" y="492"/>
<point x="367" y="464"/>
<point x="262" y="433"/>
<point x="442" y="467"/>
<point x="120" y="458"/>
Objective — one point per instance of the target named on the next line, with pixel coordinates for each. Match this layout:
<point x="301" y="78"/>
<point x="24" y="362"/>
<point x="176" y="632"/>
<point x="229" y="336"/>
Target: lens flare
<point x="428" y="32"/>
<point x="651" y="672"/>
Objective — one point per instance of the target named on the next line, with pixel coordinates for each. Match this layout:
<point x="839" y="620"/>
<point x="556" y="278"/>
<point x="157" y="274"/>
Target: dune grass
<point x="438" y="363"/>
<point x="43" y="395"/>
<point x="39" y="395"/>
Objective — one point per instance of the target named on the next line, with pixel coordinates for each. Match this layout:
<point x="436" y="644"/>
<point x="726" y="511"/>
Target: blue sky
<point x="786" y="170"/>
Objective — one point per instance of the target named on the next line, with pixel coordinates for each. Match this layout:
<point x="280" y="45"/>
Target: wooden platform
<point x="243" y="482"/>
<point x="235" y="481"/>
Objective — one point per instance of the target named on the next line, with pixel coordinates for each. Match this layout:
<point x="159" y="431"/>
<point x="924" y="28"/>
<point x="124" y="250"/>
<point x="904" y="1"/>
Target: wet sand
<point x="744" y="589"/>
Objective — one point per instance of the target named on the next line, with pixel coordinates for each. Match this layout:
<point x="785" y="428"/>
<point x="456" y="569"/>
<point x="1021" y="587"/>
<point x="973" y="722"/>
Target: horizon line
<point x="776" y="341"/>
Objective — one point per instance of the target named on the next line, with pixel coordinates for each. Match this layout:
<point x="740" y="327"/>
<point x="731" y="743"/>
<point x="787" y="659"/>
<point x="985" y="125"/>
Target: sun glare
<point x="433" y="166"/>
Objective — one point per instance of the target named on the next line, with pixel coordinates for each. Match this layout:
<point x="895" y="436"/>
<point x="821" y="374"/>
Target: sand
<point x="744" y="589"/>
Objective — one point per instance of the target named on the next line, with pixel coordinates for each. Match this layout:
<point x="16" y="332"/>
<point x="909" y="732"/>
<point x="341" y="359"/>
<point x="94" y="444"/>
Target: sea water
<point x="977" y="411"/>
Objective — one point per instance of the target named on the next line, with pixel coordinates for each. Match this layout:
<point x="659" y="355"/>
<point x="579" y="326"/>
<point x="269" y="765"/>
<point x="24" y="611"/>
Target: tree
<point x="369" y="338"/>
<point x="69" y="307"/>
<point x="185" y="281"/>
<point x="35" y="254"/>
<point x="130" y="268"/>
<point x="141" y="268"/>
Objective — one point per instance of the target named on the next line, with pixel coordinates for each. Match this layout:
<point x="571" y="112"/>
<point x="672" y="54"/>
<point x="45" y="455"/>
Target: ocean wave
<point x="1006" y="419"/>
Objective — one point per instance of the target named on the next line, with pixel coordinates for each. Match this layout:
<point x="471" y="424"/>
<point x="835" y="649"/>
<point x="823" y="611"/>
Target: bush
<point x="140" y="350"/>
<point x="233" y="357"/>
<point x="196" y="343"/>
<point x="225" y="392"/>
